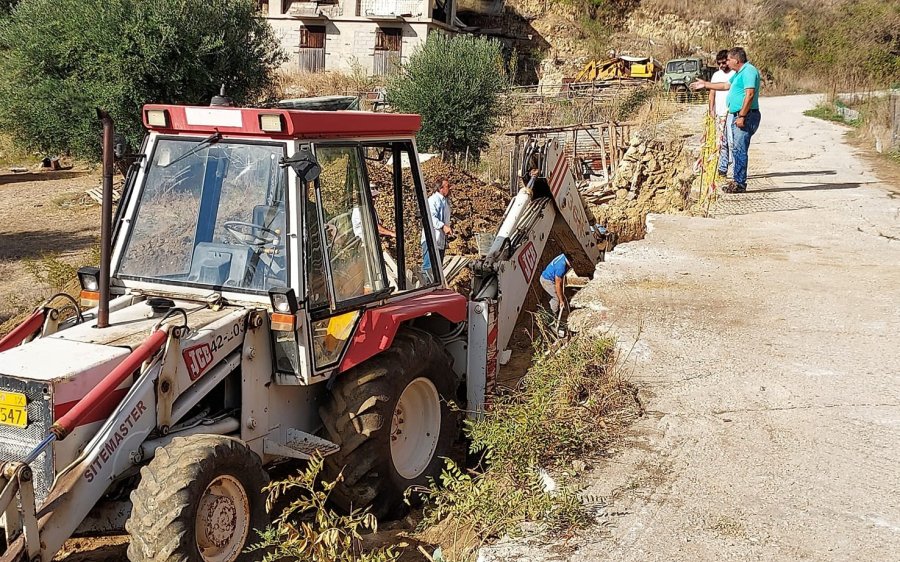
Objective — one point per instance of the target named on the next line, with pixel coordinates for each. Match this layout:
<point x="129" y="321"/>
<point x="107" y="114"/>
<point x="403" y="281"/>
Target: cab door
<point x="343" y="259"/>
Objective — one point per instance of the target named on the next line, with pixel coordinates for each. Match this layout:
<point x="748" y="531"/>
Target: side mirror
<point x="304" y="164"/>
<point x="120" y="146"/>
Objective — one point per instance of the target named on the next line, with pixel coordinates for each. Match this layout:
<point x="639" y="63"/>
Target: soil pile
<point x="476" y="206"/>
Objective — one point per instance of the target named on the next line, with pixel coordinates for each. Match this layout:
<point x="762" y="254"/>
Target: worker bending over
<point x="553" y="280"/>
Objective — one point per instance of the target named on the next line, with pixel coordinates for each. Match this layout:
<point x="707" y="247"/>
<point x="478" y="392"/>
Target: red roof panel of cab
<point x="295" y="123"/>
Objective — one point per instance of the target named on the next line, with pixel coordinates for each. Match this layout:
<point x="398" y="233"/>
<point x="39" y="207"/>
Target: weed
<point x="632" y="102"/>
<point x="828" y="112"/>
<point x="13" y="153"/>
<point x="308" y="529"/>
<point x="51" y="271"/>
<point x="570" y="404"/>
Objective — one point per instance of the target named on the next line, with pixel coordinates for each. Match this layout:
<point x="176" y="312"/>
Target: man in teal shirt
<point x="743" y="111"/>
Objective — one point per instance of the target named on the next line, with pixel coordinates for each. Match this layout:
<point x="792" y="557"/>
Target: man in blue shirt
<point x="743" y="110"/>
<point x="553" y="280"/>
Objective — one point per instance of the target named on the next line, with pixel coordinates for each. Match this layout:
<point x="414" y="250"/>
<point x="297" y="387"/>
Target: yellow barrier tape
<point x="708" y="164"/>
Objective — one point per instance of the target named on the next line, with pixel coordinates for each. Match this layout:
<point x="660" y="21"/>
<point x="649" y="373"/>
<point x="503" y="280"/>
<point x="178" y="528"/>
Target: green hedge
<point x="64" y="58"/>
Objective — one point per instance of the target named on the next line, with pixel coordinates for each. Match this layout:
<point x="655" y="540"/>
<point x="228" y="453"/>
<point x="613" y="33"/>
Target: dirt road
<point x="768" y="350"/>
<point x="43" y="215"/>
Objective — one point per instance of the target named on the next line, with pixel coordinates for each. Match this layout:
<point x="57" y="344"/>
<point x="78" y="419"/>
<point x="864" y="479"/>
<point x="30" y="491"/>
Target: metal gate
<point x="312" y="48"/>
<point x="387" y="50"/>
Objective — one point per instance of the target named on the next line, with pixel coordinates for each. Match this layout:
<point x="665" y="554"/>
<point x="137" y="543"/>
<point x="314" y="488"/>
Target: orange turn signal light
<point x="282" y="322"/>
<point x="90" y="299"/>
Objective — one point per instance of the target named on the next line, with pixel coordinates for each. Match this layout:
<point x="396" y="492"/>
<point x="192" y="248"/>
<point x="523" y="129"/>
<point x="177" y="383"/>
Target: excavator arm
<point x="547" y="206"/>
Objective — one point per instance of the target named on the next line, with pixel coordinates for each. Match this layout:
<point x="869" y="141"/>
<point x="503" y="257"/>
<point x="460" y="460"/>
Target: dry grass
<point x="297" y="84"/>
<point x="733" y="15"/>
<point x="12" y="154"/>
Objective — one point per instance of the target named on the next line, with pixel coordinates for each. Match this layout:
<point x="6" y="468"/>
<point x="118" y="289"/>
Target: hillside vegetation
<point x="799" y="45"/>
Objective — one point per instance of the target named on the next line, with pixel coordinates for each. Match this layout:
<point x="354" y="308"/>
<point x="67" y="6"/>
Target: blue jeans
<point x="726" y="142"/>
<point x="426" y="263"/>
<point x="741" y="148"/>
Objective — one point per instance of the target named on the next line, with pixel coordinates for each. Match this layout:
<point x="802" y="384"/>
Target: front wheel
<point x="199" y="500"/>
<point x="391" y="418"/>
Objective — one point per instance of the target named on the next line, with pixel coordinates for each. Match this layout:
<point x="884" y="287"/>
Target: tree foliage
<point x="6" y="6"/>
<point x="64" y="58"/>
<point x="455" y="84"/>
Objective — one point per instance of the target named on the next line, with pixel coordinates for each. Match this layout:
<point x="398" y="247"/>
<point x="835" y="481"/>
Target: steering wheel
<point x="251" y="234"/>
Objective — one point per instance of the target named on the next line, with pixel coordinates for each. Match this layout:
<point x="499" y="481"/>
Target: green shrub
<point x="847" y="45"/>
<point x="454" y="83"/>
<point x="308" y="529"/>
<point x="6" y="6"/>
<point x="64" y="58"/>
<point x="571" y="403"/>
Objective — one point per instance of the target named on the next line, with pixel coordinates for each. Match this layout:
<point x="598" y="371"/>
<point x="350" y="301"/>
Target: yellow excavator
<point x="622" y="66"/>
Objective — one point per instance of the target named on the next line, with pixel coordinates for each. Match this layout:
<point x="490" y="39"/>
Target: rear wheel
<point x="390" y="417"/>
<point x="199" y="500"/>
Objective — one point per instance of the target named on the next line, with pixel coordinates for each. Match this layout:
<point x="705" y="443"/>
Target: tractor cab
<point x="318" y="213"/>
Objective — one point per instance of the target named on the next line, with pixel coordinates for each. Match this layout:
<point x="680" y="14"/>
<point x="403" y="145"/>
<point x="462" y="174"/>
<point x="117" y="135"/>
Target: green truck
<point x="681" y="72"/>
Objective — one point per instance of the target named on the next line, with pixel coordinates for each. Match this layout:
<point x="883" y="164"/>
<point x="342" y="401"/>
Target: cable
<point x="70" y="299"/>
<point x="168" y="314"/>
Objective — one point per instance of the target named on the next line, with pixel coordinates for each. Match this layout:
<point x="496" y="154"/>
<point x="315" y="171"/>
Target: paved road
<point x="768" y="349"/>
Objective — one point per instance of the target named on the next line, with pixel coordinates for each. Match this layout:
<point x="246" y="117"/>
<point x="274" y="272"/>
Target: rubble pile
<point x="649" y="179"/>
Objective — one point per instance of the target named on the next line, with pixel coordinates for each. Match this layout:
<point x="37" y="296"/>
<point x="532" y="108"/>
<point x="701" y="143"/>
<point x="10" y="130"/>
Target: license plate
<point x="12" y="409"/>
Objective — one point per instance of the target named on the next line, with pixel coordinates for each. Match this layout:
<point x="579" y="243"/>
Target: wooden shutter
<point x="388" y="41"/>
<point x="312" y="48"/>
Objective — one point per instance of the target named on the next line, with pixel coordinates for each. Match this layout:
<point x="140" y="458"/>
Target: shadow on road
<point x="39" y="176"/>
<point x="798" y="173"/>
<point x="34" y="243"/>
<point x="816" y="187"/>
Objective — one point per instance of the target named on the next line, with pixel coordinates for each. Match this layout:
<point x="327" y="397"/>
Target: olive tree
<point x="64" y="58"/>
<point x="454" y="83"/>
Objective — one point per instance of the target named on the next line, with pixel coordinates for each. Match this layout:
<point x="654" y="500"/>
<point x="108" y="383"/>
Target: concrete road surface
<point x="766" y="341"/>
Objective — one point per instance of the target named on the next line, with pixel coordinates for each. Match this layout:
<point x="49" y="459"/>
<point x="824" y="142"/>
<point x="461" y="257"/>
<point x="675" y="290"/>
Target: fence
<point x="594" y="149"/>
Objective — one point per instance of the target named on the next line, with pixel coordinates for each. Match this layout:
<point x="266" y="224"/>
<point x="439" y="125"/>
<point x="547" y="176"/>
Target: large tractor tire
<point x="200" y="500"/>
<point x="391" y="418"/>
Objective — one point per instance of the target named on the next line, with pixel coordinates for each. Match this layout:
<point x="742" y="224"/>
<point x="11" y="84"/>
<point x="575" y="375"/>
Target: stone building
<point x="372" y="35"/>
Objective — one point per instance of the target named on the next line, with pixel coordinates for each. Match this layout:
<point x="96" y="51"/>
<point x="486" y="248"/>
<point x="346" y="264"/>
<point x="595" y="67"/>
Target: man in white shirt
<point x="718" y="110"/>
<point x="439" y="214"/>
<point x="356" y="221"/>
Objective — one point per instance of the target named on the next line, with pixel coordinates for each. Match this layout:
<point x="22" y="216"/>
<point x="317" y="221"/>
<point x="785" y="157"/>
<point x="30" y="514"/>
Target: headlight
<point x="157" y="117"/>
<point x="89" y="277"/>
<point x="283" y="300"/>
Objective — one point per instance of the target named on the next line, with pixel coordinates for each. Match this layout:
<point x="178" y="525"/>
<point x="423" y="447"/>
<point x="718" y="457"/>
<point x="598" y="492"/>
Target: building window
<point x="388" y="41"/>
<point x="312" y="48"/>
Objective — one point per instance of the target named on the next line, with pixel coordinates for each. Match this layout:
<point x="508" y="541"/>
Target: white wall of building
<point x="350" y="39"/>
<point x="347" y="43"/>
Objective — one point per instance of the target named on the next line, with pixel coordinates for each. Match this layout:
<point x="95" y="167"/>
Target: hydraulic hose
<point x="31" y="325"/>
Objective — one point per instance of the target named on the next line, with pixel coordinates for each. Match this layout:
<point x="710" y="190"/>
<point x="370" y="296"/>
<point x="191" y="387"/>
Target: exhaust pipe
<point x="106" y="218"/>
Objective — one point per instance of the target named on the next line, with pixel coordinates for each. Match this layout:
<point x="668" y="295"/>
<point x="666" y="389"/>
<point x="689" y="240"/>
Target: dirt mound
<point x="476" y="206"/>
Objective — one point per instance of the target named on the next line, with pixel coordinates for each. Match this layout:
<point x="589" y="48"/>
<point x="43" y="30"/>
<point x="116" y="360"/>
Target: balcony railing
<point x="393" y="8"/>
<point x="315" y="9"/>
